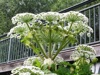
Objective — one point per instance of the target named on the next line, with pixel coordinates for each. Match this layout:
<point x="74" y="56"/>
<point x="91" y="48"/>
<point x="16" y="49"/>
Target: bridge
<point x="13" y="52"/>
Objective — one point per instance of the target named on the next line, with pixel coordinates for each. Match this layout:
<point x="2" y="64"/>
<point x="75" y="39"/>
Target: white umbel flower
<point x="30" y="61"/>
<point x="22" y="18"/>
<point x="51" y="74"/>
<point x="27" y="70"/>
<point x="26" y="73"/>
<point x="48" y="61"/>
<point x="83" y="51"/>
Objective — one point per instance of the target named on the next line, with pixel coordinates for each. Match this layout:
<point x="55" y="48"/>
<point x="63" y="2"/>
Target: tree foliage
<point x="9" y="8"/>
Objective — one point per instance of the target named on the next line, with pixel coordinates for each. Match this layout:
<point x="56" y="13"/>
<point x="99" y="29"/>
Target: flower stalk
<point x="50" y="43"/>
<point x="39" y="44"/>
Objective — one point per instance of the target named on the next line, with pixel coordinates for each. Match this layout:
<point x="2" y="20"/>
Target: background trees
<point x="9" y="8"/>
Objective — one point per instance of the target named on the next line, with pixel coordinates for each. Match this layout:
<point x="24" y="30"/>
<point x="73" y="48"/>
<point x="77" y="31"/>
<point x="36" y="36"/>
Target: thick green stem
<point x="70" y="27"/>
<point x="54" y="45"/>
<point x="33" y="48"/>
<point x="50" y="44"/>
<point x="64" y="43"/>
<point x="40" y="46"/>
<point x="61" y="47"/>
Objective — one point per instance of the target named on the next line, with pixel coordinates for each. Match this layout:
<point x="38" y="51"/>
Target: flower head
<point x="18" y="31"/>
<point x="26" y="73"/>
<point x="49" y="16"/>
<point x="73" y="16"/>
<point x="85" y="51"/>
<point x="32" y="61"/>
<point x="48" y="61"/>
<point x="27" y="70"/>
<point x="23" y="18"/>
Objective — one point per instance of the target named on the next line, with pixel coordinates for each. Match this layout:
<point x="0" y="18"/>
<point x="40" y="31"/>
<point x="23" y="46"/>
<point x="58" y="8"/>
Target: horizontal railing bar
<point x="4" y="39"/>
<point x="4" y="35"/>
<point x="90" y="7"/>
<point x="21" y="59"/>
<point x="77" y="6"/>
<point x="92" y="43"/>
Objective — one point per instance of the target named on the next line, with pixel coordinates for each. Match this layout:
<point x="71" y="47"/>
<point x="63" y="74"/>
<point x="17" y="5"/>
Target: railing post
<point x="99" y="20"/>
<point x="9" y="50"/>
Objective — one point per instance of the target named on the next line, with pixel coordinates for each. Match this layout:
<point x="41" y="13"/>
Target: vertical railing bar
<point x="85" y="34"/>
<point x="89" y="23"/>
<point x="9" y="50"/>
<point x="12" y="51"/>
<point x="13" y="55"/>
<point x="20" y="49"/>
<point x="99" y="20"/>
<point x="20" y="54"/>
<point x="1" y="60"/>
<point x="5" y="50"/>
<point x="94" y="26"/>
<point x="15" y="49"/>
<point x="29" y="52"/>
<point x="23" y="50"/>
<point x="8" y="41"/>
<point x="80" y="38"/>
<point x="15" y="41"/>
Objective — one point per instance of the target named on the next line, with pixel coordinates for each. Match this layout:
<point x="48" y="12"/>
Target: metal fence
<point x="93" y="13"/>
<point x="12" y="49"/>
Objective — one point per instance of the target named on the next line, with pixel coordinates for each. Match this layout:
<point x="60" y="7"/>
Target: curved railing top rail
<point x="77" y="6"/>
<point x="4" y="35"/>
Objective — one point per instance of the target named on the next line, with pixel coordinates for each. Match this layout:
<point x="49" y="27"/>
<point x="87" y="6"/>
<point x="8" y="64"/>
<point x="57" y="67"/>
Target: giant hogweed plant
<point x="47" y="34"/>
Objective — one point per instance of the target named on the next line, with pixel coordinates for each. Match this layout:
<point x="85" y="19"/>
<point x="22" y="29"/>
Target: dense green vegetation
<point x="9" y="8"/>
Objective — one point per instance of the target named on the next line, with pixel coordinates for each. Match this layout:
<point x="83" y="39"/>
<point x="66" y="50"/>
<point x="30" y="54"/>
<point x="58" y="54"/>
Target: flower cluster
<point x="23" y="18"/>
<point x="49" y="17"/>
<point x="74" y="16"/>
<point x="81" y="28"/>
<point x="27" y="70"/>
<point x="76" y="22"/>
<point x="32" y="61"/>
<point x="18" y="31"/>
<point x="85" y="51"/>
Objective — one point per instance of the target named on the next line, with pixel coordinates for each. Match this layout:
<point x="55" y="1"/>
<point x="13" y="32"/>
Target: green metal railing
<point x="11" y="49"/>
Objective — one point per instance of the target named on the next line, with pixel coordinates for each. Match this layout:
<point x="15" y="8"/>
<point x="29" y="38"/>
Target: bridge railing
<point x="12" y="49"/>
<point x="93" y="14"/>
